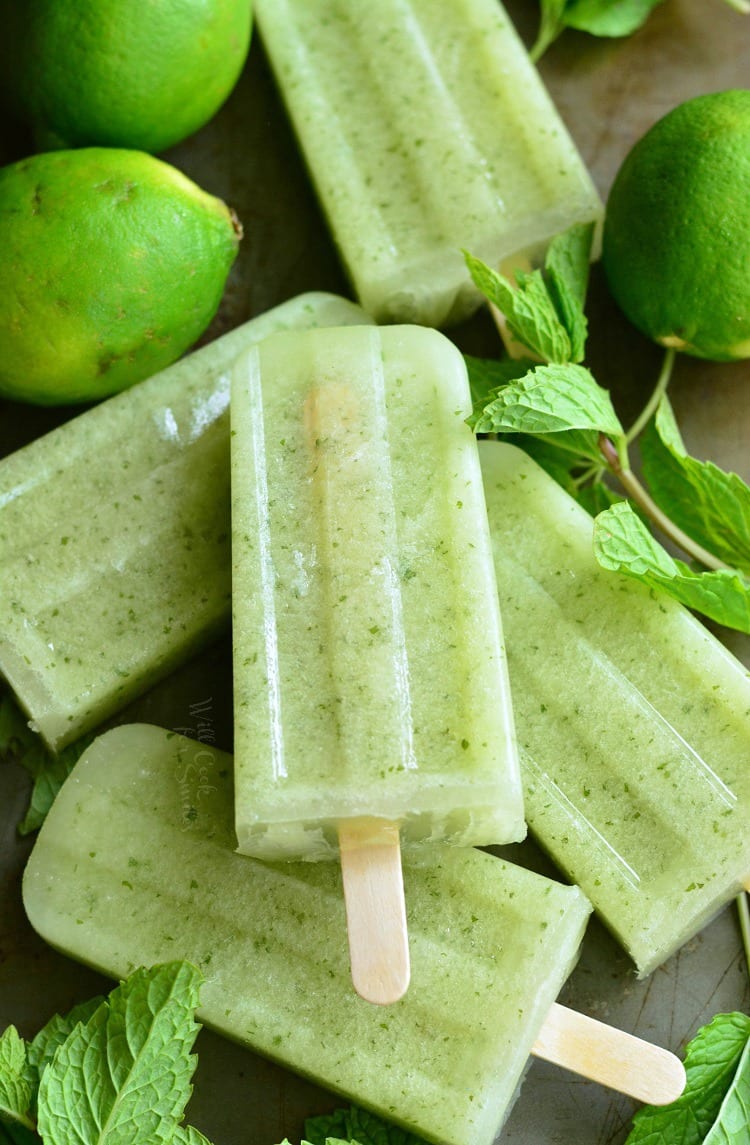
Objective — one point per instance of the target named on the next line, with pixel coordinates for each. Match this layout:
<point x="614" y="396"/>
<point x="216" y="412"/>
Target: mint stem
<point x="652" y="405"/>
<point x="591" y="474"/>
<point x="642" y="498"/>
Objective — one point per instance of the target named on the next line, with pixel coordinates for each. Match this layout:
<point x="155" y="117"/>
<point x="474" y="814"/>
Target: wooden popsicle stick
<point x="375" y="909"/>
<point x="610" y="1056"/>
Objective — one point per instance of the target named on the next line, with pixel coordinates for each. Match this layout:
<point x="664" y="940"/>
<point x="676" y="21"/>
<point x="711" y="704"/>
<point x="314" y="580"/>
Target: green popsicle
<point x="114" y="535"/>
<point x="427" y="130"/>
<point x="491" y="944"/>
<point x="370" y="673"/>
<point x="633" y="721"/>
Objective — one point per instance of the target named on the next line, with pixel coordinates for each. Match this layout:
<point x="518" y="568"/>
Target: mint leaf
<point x="567" y="268"/>
<point x="709" y="504"/>
<point x="186" y="1135"/>
<point x="558" y="463"/>
<point x="533" y="319"/>
<point x="734" y="1116"/>
<point x="41" y="1049"/>
<point x="15" y="1085"/>
<point x="356" y="1125"/>
<point x="486" y="375"/>
<point x="579" y="445"/>
<point x="598" y="17"/>
<point x="551" y="399"/>
<point x="529" y="309"/>
<point x="544" y="310"/>
<point x="15" y="734"/>
<point x="716" y="1064"/>
<point x="623" y="544"/>
<point x="597" y="497"/>
<point x="124" y="1075"/>
<point x="551" y="24"/>
<point x="608" y="17"/>
<point x="48" y="771"/>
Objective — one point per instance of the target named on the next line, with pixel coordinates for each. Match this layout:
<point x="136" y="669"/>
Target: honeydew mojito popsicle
<point x="633" y="721"/>
<point x="491" y="943"/>
<point x="370" y="686"/>
<point x="426" y="129"/>
<point x="370" y="673"/>
<point x="114" y="535"/>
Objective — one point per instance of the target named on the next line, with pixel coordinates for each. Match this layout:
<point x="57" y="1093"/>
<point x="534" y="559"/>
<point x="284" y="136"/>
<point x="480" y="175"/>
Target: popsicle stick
<point x="375" y="910"/>
<point x="610" y="1056"/>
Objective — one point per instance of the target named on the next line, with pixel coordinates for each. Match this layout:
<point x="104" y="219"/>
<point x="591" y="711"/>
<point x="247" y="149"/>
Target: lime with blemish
<point x="113" y="263"/>
<point x="676" y="249"/>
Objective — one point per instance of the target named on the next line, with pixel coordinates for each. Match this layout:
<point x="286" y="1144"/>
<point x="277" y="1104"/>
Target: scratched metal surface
<point x="609" y="93"/>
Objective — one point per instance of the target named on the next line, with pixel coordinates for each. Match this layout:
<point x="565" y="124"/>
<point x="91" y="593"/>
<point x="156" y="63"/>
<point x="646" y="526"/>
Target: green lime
<point x="120" y="73"/>
<point x="113" y="264"/>
<point x="676" y="249"/>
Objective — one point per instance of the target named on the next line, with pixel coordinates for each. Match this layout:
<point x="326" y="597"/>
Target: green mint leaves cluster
<point x="113" y="1071"/>
<point x="610" y="18"/>
<point x="547" y="402"/>
<point x="119" y="1070"/>
<point x="354" y="1127"/>
<point x="48" y="771"/>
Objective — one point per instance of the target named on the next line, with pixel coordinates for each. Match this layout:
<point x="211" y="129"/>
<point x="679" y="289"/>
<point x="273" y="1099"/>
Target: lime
<point x="119" y="73"/>
<point x="676" y="249"/>
<point x="113" y="264"/>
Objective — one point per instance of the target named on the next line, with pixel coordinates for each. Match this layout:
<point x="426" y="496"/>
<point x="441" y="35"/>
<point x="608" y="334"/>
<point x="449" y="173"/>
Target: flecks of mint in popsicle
<point x="633" y="721"/>
<point x="427" y="130"/>
<point x="115" y="533"/>
<point x="370" y="677"/>
<point x="491" y="944"/>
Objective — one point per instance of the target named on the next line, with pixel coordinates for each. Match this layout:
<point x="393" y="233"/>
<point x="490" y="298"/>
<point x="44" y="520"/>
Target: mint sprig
<point x="528" y="307"/>
<point x="551" y="399"/>
<point x="113" y="1071"/>
<point x="562" y="417"/>
<point x="544" y="308"/>
<point x="355" y="1126"/>
<point x="714" y="1106"/>
<point x="713" y="506"/>
<point x="607" y="18"/>
<point x="623" y="544"/>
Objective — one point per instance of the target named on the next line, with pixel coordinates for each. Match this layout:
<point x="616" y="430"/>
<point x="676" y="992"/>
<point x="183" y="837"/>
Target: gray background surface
<point x="609" y="93"/>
